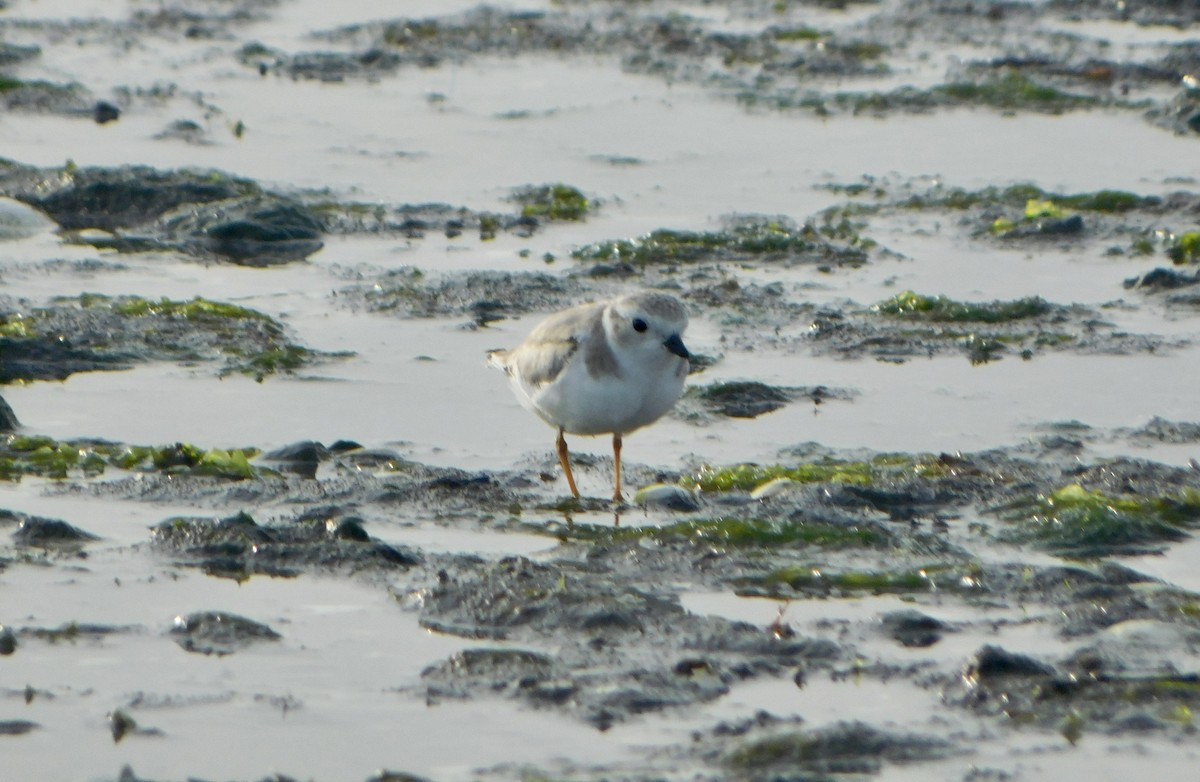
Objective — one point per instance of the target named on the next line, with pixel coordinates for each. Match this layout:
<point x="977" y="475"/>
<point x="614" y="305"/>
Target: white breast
<point x="584" y="404"/>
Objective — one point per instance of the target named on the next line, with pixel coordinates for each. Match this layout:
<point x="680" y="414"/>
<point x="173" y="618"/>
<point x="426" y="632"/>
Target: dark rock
<point x="120" y="724"/>
<point x="8" y="640"/>
<point x="17" y="727"/>
<point x="218" y="632"/>
<point x="496" y="670"/>
<point x="912" y="628"/>
<point x="743" y="399"/>
<point x="184" y="130"/>
<point x="301" y="458"/>
<point x="1161" y="279"/>
<point x="37" y="531"/>
<point x="262" y="232"/>
<point x="105" y="112"/>
<point x="12" y="54"/>
<point x="1059" y="226"/>
<point x="395" y="776"/>
<point x="351" y="529"/>
<point x="901" y="503"/>
<point x="111" y="199"/>
<point x="1175" y="432"/>
<point x="238" y="547"/>
<point x="8" y="419"/>
<point x="51" y="358"/>
<point x="844" y="748"/>
<point x="993" y="662"/>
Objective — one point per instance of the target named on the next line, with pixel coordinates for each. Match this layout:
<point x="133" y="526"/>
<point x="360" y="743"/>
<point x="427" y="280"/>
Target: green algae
<point x="795" y="34"/>
<point x="817" y="579"/>
<point x="1036" y="208"/>
<point x="940" y="308"/>
<point x="8" y="85"/>
<point x="552" y="202"/>
<point x="17" y="326"/>
<point x="1022" y="195"/>
<point x="38" y="455"/>
<point x="747" y="477"/>
<point x="197" y="309"/>
<point x="1074" y="521"/>
<point x="1012" y="91"/>
<point x="1185" y="249"/>
<point x="749" y="240"/>
<point x="738" y="532"/>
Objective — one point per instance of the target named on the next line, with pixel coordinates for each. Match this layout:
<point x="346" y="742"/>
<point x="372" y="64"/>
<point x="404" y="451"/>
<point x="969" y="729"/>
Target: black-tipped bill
<point x="675" y="345"/>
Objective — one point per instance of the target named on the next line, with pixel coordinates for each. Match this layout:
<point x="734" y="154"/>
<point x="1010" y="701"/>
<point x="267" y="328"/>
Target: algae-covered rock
<point x="94" y="332"/>
<point x="1076" y="521"/>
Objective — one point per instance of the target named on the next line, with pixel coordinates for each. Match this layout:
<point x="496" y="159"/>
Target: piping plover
<point x="608" y="367"/>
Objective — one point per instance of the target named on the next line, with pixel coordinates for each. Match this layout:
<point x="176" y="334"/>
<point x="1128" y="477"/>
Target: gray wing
<point x="541" y="358"/>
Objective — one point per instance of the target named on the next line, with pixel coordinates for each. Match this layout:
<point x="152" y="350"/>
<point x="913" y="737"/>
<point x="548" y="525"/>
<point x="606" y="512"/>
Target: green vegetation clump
<point x="1013" y="91"/>
<point x="37" y="455"/>
<point x="795" y="34"/>
<point x="807" y="578"/>
<point x="769" y="240"/>
<point x="1037" y="208"/>
<point x="739" y="532"/>
<point x="943" y="309"/>
<point x="552" y="202"/>
<point x="1186" y="248"/>
<point x="1107" y="201"/>
<point x="9" y="84"/>
<point x="197" y="309"/>
<point x="747" y="477"/>
<point x="1074" y="521"/>
<point x="16" y="326"/>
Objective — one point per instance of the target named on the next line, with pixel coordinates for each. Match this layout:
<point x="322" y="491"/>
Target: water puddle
<point x="345" y="670"/>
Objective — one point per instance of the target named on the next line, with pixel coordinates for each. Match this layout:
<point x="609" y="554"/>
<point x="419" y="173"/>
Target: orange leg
<point x="617" y="467"/>
<point x="565" y="458"/>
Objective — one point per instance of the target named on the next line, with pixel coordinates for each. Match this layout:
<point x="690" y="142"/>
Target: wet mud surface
<point x="808" y="611"/>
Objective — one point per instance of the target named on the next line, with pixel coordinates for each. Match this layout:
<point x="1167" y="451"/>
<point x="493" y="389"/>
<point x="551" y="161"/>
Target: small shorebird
<point x="608" y="367"/>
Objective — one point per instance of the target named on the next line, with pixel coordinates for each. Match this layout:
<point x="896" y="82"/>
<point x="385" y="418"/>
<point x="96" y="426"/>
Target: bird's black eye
<point x="639" y="325"/>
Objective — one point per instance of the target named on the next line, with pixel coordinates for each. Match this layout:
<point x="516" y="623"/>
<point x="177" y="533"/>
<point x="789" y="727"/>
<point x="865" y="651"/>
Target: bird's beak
<point x="675" y="345"/>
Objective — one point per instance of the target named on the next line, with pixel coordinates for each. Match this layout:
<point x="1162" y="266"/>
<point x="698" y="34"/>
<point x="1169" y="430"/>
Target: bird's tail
<point x="498" y="359"/>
